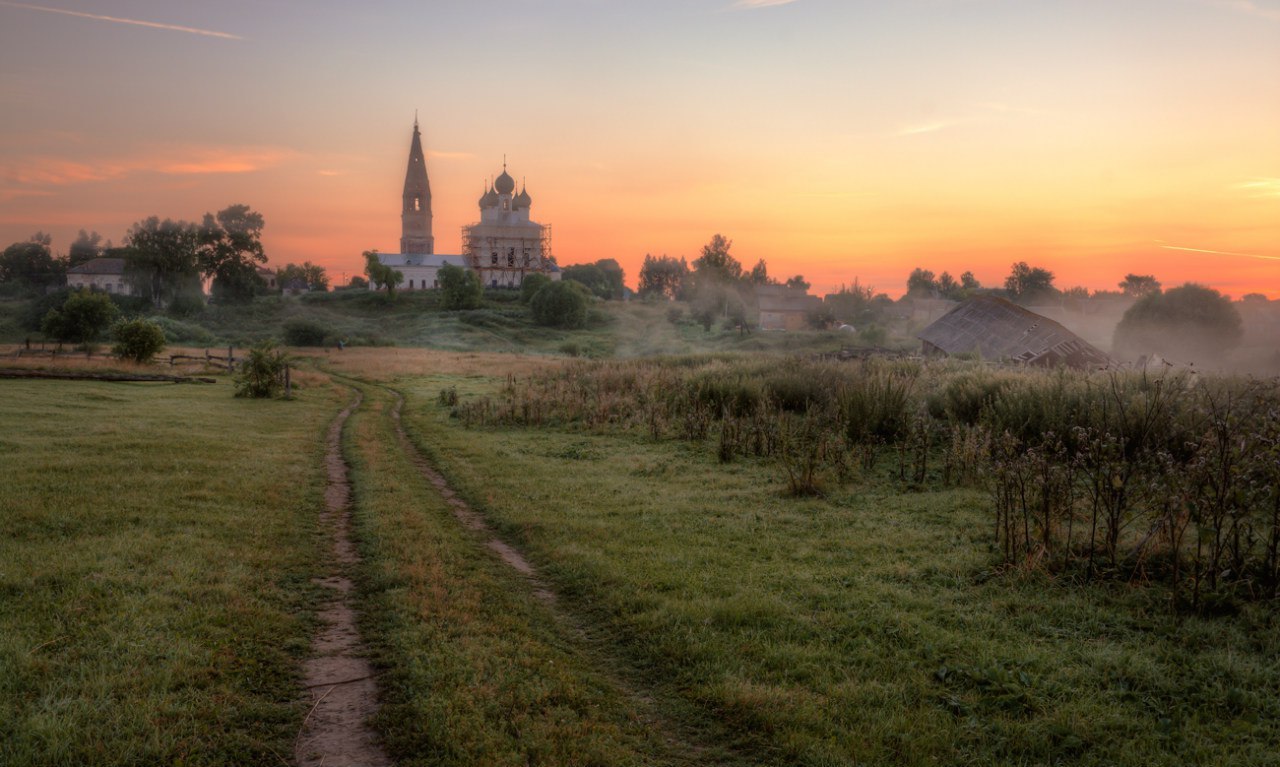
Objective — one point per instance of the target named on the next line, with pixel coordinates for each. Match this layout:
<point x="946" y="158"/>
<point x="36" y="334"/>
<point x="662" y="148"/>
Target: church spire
<point x="415" y="215"/>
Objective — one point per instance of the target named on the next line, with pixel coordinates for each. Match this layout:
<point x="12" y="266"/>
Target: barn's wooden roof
<point x="1001" y="330"/>
<point x="782" y="299"/>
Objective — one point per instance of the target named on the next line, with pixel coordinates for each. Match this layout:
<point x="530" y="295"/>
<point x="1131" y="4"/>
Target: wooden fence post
<point x="288" y="384"/>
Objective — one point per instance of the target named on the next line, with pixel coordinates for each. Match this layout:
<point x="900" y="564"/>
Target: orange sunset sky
<point x="838" y="139"/>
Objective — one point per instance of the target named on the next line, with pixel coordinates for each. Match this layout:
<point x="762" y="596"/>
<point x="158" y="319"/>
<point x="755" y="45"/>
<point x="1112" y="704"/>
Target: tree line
<point x="166" y="261"/>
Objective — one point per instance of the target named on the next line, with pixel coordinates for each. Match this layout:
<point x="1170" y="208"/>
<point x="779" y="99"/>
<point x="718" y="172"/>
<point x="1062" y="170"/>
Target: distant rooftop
<point x="99" y="266"/>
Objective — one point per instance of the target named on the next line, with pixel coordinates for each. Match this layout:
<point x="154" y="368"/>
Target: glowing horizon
<point x="833" y="140"/>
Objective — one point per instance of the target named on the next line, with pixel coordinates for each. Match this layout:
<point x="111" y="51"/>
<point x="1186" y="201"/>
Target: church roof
<point x="415" y="175"/>
<point x="523" y="200"/>
<point x="421" y="259"/>
<point x="505" y="184"/>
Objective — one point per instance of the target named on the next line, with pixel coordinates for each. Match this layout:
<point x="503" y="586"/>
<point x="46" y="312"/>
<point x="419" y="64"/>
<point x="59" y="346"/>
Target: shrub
<point x="81" y="319"/>
<point x="1192" y="322"/>
<point x="531" y="285"/>
<point x="561" y="305"/>
<point x="186" y="305"/>
<point x="179" y="332"/>
<point x="137" y="339"/>
<point x="460" y="288"/>
<point x="305" y="333"/>
<point x="261" y="375"/>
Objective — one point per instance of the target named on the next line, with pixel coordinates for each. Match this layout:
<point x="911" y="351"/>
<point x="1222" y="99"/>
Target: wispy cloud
<point x="747" y="5"/>
<point x="118" y="20"/>
<point x="930" y="127"/>
<point x="176" y="161"/>
<point x="1261" y="187"/>
<point x="1161" y="244"/>
<point x="1249" y="7"/>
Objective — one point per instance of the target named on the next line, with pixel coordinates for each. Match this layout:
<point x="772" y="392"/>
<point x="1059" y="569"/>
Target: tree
<point x="1027" y="284"/>
<point x="31" y="264"/>
<point x="381" y="275"/>
<point x="798" y="282"/>
<point x="1139" y="285"/>
<point x="85" y="248"/>
<point x="663" y="276"/>
<point x="759" y="274"/>
<point x="230" y="251"/>
<point x="948" y="287"/>
<point x="460" y="288"/>
<point x="920" y="283"/>
<point x="716" y="264"/>
<point x="358" y="283"/>
<point x="81" y="319"/>
<point x="531" y="284"/>
<point x="560" y="304"/>
<point x="1193" y="323"/>
<point x="163" y="259"/>
<point x="590" y="277"/>
<point x="858" y="304"/>
<point x="969" y="283"/>
<point x="137" y="339"/>
<point x="311" y="275"/>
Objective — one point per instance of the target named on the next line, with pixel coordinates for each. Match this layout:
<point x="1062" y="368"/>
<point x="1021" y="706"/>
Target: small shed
<point x="998" y="329"/>
<point x="785" y="308"/>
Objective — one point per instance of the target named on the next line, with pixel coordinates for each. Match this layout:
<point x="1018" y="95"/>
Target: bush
<point x="305" y="333"/>
<point x="531" y="285"/>
<point x="1191" y="322"/>
<point x="561" y="305"/>
<point x="186" y="305"/>
<point x="137" y="339"/>
<point x="179" y="332"/>
<point x="81" y="319"/>
<point x="460" y="288"/>
<point x="261" y="375"/>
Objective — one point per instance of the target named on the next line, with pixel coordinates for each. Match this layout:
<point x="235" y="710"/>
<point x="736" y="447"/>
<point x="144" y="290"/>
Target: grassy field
<point x="867" y="627"/>
<point x="476" y="670"/>
<point x="416" y="319"/>
<point x="156" y="546"/>
<point x="158" y="543"/>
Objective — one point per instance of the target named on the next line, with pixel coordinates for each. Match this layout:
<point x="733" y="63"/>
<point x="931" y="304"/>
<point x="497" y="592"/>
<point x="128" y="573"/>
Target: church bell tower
<point x="415" y="217"/>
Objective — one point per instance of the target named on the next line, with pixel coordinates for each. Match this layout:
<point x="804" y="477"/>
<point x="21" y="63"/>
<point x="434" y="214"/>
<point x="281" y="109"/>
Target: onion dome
<point x="523" y="200"/>
<point x="505" y="184"/>
<point x="490" y="199"/>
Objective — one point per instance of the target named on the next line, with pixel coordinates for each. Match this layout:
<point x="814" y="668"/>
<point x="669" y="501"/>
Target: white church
<point x="503" y="247"/>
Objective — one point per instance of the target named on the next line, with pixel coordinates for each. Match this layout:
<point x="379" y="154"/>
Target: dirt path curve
<point x="344" y="693"/>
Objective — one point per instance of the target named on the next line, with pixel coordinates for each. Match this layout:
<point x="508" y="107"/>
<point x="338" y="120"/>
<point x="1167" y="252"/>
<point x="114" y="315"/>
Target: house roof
<point x="781" y="299"/>
<point x="99" y="266"/>
<point x="1001" y="330"/>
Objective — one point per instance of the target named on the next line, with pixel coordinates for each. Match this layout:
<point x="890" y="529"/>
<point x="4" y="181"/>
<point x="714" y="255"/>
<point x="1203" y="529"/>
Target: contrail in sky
<point x="135" y="22"/>
<point x="1217" y="252"/>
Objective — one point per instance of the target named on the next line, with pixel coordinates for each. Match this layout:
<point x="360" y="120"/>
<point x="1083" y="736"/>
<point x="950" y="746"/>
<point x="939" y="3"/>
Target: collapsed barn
<point x="999" y="330"/>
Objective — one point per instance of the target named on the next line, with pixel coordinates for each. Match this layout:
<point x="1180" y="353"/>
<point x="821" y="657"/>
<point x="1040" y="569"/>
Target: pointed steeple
<point x="415" y="216"/>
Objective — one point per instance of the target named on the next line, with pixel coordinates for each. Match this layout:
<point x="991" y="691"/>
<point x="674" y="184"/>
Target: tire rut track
<point x="686" y="747"/>
<point x="338" y="674"/>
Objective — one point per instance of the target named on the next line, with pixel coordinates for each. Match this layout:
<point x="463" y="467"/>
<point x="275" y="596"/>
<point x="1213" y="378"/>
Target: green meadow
<point x="157" y="545"/>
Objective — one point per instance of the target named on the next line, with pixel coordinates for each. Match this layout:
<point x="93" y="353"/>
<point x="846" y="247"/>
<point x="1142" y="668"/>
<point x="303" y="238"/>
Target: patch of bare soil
<point x="338" y="675"/>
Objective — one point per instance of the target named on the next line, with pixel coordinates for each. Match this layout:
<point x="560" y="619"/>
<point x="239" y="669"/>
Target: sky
<point x="837" y="139"/>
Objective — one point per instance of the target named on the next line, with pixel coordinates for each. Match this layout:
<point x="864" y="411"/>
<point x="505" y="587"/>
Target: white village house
<point x="105" y="274"/>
